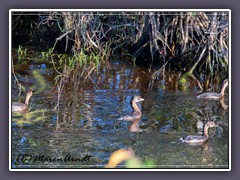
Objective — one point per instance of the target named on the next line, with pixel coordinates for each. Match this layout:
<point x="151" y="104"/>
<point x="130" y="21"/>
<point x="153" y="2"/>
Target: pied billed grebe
<point x="197" y="140"/>
<point x="19" y="107"/>
<point x="136" y="114"/>
<point x="215" y="96"/>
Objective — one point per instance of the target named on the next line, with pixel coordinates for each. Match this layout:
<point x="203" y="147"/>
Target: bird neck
<point x="205" y="131"/>
<point x="223" y="89"/>
<point x="27" y="99"/>
<point x="135" y="107"/>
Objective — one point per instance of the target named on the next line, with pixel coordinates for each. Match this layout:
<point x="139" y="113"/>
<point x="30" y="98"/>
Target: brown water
<point x="87" y="121"/>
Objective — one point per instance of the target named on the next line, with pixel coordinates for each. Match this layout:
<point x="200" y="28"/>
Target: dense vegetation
<point x="192" y="42"/>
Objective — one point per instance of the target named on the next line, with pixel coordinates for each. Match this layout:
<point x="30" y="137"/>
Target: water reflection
<point x="86" y="122"/>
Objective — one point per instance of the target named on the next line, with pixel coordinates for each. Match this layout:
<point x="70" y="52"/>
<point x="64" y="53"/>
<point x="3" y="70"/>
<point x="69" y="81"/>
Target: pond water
<point x="86" y="123"/>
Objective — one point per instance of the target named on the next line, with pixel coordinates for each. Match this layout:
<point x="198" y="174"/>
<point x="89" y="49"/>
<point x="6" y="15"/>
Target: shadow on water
<point x="86" y="123"/>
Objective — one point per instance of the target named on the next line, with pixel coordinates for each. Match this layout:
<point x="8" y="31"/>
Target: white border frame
<point x="114" y="10"/>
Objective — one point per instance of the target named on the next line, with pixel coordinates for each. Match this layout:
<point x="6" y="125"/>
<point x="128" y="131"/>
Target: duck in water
<point x="21" y="107"/>
<point x="214" y="96"/>
<point x="199" y="140"/>
<point x="135" y="115"/>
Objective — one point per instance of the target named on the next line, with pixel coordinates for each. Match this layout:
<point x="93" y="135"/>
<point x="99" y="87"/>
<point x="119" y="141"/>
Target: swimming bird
<point x="20" y="107"/>
<point x="214" y="96"/>
<point x="198" y="140"/>
<point x="135" y="115"/>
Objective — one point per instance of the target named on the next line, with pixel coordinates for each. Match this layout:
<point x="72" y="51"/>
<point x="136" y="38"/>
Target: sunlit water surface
<point x="86" y="124"/>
